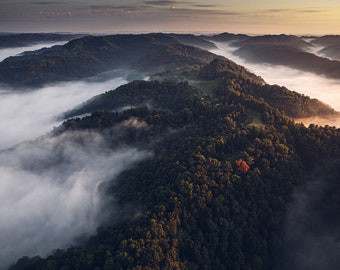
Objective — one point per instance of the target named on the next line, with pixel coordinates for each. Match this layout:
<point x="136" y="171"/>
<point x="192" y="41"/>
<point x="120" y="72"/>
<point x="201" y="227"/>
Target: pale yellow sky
<point x="241" y="16"/>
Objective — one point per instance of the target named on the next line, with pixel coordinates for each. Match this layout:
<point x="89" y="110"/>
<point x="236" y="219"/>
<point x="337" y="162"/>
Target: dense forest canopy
<point x="193" y="208"/>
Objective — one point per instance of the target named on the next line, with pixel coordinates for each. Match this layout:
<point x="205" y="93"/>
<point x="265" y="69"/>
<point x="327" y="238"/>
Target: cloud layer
<point x="50" y="191"/>
<point x="25" y="116"/>
<point x="50" y="187"/>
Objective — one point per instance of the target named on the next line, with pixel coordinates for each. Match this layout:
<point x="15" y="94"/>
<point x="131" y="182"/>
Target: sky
<point x="312" y="17"/>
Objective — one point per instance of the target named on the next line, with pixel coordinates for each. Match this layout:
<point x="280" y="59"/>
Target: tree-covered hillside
<point x="92" y="55"/>
<point x="211" y="81"/>
<point x="192" y="205"/>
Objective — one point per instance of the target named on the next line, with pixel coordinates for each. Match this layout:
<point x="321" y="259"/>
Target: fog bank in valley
<point x="312" y="85"/>
<point x="4" y="53"/>
<point x="27" y="115"/>
<point x="50" y="191"/>
<point x="50" y="187"/>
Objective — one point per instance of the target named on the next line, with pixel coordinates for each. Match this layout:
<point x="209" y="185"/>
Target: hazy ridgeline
<point x="4" y="53"/>
<point x="315" y="86"/>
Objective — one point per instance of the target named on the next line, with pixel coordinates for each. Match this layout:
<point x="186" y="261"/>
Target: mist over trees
<point x="200" y="167"/>
<point x="192" y="206"/>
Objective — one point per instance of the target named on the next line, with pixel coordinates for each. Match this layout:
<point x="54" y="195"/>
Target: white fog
<point x="4" y="53"/>
<point x="27" y="115"/>
<point x="50" y="191"/>
<point x="49" y="185"/>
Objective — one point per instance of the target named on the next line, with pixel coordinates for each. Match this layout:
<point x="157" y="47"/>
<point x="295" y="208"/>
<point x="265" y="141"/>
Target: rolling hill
<point x="92" y="55"/>
<point x="190" y="206"/>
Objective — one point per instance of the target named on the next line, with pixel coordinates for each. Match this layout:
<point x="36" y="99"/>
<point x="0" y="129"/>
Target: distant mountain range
<point x="170" y="56"/>
<point x="11" y="40"/>
<point x="291" y="51"/>
<point x="92" y="55"/>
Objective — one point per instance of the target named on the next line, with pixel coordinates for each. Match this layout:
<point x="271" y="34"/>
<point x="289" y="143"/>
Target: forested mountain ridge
<point x="211" y="80"/>
<point x="191" y="207"/>
<point x="91" y="55"/>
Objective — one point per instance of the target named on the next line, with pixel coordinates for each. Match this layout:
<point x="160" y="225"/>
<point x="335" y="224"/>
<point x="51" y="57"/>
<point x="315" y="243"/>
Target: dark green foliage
<point x="292" y="103"/>
<point x="192" y="208"/>
<point x="189" y="206"/>
<point x="228" y="70"/>
<point x="166" y="95"/>
<point x="221" y="79"/>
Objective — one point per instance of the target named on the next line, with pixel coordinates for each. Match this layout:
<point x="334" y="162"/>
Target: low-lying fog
<point x="312" y="85"/>
<point x="27" y="115"/>
<point x="50" y="193"/>
<point x="4" y="53"/>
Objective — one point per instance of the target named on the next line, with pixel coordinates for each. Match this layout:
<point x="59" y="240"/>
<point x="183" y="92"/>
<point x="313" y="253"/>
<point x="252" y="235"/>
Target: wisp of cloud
<point x="4" y="53"/>
<point x="50" y="193"/>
